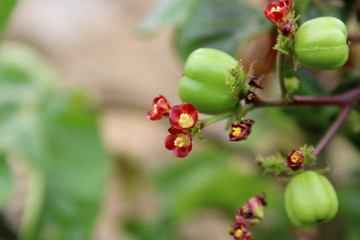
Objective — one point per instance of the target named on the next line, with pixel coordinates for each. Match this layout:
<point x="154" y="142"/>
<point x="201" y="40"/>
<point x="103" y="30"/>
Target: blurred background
<point x="79" y="159"/>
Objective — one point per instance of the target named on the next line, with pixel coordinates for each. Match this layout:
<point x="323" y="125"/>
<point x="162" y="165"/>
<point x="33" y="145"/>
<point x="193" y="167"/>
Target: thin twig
<point x="333" y="130"/>
<point x="337" y="100"/>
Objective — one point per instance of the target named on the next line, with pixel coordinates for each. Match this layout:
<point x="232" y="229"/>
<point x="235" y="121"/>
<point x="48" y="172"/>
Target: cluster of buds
<point x="280" y="13"/>
<point x="182" y="118"/>
<point x="248" y="215"/>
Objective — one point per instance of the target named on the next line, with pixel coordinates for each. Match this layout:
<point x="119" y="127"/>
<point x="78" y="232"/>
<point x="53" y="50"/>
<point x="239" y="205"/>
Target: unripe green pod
<point x="203" y="84"/>
<point x="310" y="199"/>
<point x="321" y="44"/>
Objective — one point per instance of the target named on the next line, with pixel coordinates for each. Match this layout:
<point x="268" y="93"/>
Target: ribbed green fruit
<point x="321" y="44"/>
<point x="310" y="199"/>
<point x="203" y="84"/>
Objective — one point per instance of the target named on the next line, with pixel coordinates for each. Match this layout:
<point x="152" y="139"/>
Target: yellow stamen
<point x="238" y="233"/>
<point x="295" y="157"/>
<point x="246" y="210"/>
<point x="250" y="96"/>
<point x="154" y="108"/>
<point x="231" y="230"/>
<point x="184" y="118"/>
<point x="179" y="142"/>
<point x="275" y="9"/>
<point x="236" y="131"/>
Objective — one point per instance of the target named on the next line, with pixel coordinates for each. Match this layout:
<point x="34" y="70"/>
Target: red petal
<point x="169" y="142"/>
<point x="182" y="152"/>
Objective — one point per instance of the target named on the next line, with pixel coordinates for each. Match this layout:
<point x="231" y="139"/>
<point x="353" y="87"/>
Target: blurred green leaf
<point x="167" y="12"/>
<point x="6" y="6"/>
<point x="55" y="133"/>
<point x="309" y="9"/>
<point x="223" y="25"/>
<point x="210" y="179"/>
<point x="6" y="182"/>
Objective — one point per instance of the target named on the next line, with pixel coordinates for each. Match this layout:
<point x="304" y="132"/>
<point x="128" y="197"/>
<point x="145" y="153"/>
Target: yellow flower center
<point x="236" y="131"/>
<point x="295" y="157"/>
<point x="184" y="118"/>
<point x="179" y="142"/>
<point x="250" y="96"/>
<point x="246" y="210"/>
<point x="275" y="9"/>
<point x="154" y="108"/>
<point x="238" y="233"/>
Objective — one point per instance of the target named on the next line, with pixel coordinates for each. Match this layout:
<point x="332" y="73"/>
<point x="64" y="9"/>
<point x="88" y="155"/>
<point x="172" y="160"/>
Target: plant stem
<point x="332" y="131"/>
<point x="281" y="74"/>
<point x="337" y="100"/>
<point x="214" y="119"/>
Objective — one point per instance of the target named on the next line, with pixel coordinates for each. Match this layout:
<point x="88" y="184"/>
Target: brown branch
<point x="333" y="130"/>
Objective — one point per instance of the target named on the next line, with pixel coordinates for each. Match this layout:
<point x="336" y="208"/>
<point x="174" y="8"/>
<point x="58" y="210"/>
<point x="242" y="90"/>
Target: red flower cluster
<point x="240" y="131"/>
<point x="277" y="13"/>
<point x="295" y="160"/>
<point x="249" y="214"/>
<point x="182" y="117"/>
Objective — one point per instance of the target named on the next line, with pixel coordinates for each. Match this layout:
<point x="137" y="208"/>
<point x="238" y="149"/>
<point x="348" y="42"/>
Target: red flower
<point x="250" y="97"/>
<point x="183" y="116"/>
<point x="179" y="141"/>
<point x="295" y="159"/>
<point x="239" y="131"/>
<point x="160" y="108"/>
<point x="289" y="3"/>
<point x="252" y="211"/>
<point x="286" y="29"/>
<point x="276" y="12"/>
<point x="239" y="232"/>
<point x="256" y="82"/>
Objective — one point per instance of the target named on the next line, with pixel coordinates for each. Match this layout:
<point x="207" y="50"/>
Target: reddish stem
<point x="344" y="100"/>
<point x="339" y="100"/>
<point x="332" y="131"/>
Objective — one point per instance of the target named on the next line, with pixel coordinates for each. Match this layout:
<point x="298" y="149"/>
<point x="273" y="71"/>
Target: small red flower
<point x="289" y="4"/>
<point x="256" y="82"/>
<point x="183" y="116"/>
<point x="286" y="30"/>
<point x="239" y="131"/>
<point x="252" y="211"/>
<point x="250" y="97"/>
<point x="160" y="108"/>
<point x="179" y="142"/>
<point x="239" y="232"/>
<point x="276" y="12"/>
<point x="295" y="159"/>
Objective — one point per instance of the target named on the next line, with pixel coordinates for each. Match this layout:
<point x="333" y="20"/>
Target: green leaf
<point x="209" y="180"/>
<point x="167" y="12"/>
<point x="55" y="133"/>
<point x="6" y="6"/>
<point x="223" y="25"/>
<point x="6" y="182"/>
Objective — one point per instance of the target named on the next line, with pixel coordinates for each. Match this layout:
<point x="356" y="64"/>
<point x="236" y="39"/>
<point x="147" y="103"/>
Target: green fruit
<point x="203" y="84"/>
<point x="310" y="199"/>
<point x="321" y="44"/>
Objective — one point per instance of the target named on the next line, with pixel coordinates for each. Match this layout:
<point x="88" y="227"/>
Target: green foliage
<point x="6" y="7"/>
<point x="274" y="163"/>
<point x="55" y="135"/>
<point x="224" y="25"/>
<point x="6" y="182"/>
